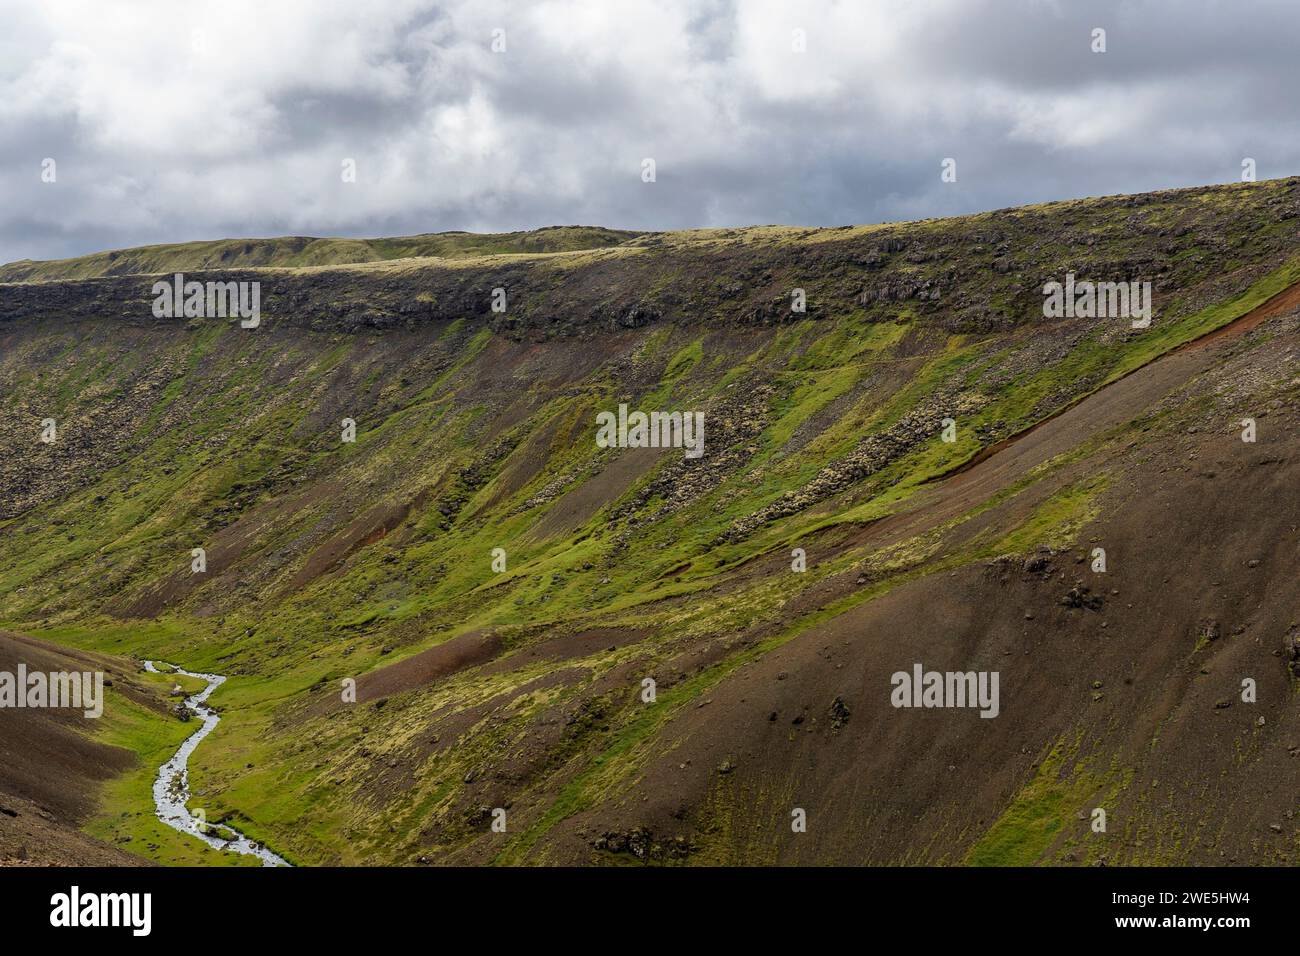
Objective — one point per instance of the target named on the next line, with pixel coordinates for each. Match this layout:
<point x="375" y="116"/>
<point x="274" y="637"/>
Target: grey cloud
<point x="448" y="135"/>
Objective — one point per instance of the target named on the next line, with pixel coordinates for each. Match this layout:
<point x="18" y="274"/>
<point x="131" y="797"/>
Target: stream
<point x="171" y="791"/>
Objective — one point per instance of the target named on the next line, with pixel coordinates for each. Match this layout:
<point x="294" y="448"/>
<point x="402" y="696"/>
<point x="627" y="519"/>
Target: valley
<point x="513" y="690"/>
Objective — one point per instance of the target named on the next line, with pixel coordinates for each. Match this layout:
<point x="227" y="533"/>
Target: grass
<point x="299" y="252"/>
<point x="127" y="817"/>
<point x="1046" y="809"/>
<point x="218" y="439"/>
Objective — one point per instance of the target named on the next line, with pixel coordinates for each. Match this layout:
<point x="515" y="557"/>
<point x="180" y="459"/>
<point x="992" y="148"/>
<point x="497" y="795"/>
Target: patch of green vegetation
<point x="296" y="251"/>
<point x="1063" y="786"/>
<point x="1057" y="521"/>
<point x="127" y="818"/>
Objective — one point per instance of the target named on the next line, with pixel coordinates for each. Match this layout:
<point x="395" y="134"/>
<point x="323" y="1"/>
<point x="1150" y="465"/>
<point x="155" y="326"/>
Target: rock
<point x="1081" y="596"/>
<point x="641" y="843"/>
<point x="1037" y="564"/>
<point x="839" y="713"/>
<point x="1293" y="654"/>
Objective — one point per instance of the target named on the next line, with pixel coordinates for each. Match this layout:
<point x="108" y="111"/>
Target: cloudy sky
<point x="195" y="119"/>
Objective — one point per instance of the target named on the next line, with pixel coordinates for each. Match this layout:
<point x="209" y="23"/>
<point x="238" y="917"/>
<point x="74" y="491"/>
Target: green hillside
<point x="524" y="688"/>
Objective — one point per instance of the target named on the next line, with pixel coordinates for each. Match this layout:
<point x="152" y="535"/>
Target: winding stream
<point x="171" y="791"/>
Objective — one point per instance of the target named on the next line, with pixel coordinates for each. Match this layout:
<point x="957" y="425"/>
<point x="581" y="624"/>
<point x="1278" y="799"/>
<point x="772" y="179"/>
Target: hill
<point x="308" y="251"/>
<point x="524" y="688"/>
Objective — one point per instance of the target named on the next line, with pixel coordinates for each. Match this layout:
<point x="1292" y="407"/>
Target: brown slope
<point x="1121" y="401"/>
<point x="51" y="766"/>
<point x="1200" y="530"/>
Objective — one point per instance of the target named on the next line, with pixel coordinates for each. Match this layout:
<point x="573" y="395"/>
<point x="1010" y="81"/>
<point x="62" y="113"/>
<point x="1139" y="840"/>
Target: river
<point x="171" y="791"/>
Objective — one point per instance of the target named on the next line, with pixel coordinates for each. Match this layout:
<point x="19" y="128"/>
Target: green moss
<point x="1045" y="809"/>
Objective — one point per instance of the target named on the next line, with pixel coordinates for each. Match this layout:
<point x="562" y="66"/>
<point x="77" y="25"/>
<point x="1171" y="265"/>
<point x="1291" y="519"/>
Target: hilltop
<point x="308" y="251"/>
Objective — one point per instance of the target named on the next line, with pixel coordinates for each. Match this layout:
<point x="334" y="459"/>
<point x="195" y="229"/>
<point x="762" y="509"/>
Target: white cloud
<point x="174" y="121"/>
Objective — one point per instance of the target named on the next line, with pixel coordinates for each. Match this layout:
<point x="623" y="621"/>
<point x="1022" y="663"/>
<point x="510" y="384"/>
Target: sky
<point x="172" y="121"/>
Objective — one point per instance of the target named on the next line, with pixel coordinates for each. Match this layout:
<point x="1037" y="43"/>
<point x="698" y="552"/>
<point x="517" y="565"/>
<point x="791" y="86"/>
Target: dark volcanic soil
<point x="1200" y="593"/>
<point x="51" y="766"/>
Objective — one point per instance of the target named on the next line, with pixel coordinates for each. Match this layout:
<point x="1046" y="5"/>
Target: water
<point x="171" y="791"/>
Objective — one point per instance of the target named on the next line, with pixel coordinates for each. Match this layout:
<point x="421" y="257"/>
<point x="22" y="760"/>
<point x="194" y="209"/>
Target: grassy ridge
<point x="308" y="251"/>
